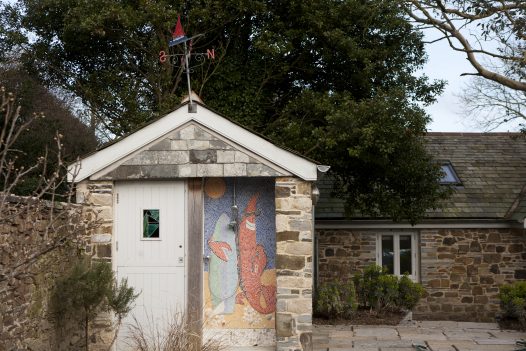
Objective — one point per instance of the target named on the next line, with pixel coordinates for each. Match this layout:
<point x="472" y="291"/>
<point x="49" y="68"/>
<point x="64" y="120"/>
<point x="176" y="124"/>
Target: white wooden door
<point x="150" y="251"/>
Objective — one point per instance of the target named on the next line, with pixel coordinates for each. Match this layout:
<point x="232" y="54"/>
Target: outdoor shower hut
<point x="203" y="215"/>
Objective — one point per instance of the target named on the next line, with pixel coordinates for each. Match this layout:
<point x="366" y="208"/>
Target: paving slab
<point x="437" y="335"/>
<point x="473" y="325"/>
<point x="445" y="345"/>
<point x="466" y="335"/>
<point x="377" y="331"/>
<point x="495" y="341"/>
<point x="438" y="324"/>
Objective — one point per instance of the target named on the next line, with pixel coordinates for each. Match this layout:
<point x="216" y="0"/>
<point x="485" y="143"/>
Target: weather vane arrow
<point x="179" y="37"/>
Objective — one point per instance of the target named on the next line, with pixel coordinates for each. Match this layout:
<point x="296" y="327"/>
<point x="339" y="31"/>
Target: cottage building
<point x="462" y="252"/>
<point x="204" y="216"/>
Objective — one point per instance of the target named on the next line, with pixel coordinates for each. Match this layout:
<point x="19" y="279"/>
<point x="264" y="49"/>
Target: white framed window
<point x="398" y="251"/>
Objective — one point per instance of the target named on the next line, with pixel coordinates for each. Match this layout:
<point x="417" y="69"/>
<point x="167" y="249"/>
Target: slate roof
<point x="491" y="167"/>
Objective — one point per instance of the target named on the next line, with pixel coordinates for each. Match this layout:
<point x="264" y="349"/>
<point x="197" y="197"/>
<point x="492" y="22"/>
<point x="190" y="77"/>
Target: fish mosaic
<point x="240" y="242"/>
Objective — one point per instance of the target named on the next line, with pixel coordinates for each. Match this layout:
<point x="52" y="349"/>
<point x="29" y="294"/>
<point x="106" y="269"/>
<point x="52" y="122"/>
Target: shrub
<point x="378" y="290"/>
<point x="409" y="292"/>
<point x="513" y="301"/>
<point x="366" y="285"/>
<point x="88" y="289"/>
<point x="336" y="300"/>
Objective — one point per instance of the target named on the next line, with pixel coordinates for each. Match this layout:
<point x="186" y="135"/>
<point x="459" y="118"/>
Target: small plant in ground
<point x="336" y="300"/>
<point x="513" y="301"/>
<point x="380" y="291"/>
<point x="179" y="334"/>
<point x="409" y="292"/>
<point x="91" y="288"/>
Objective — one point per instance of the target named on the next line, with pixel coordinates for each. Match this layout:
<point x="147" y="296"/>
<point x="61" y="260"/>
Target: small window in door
<point x="150" y="220"/>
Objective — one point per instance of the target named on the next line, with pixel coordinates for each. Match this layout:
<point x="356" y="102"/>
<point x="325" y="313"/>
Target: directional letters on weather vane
<point x="179" y="37"/>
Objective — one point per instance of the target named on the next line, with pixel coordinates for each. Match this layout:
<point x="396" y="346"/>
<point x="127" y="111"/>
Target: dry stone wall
<point x="26" y="322"/>
<point x="341" y="253"/>
<point x="461" y="269"/>
<point x="294" y="254"/>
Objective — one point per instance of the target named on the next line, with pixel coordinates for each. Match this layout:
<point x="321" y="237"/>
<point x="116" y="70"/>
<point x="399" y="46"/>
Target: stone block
<point x="260" y="170"/>
<point x="515" y="248"/>
<point x="161" y="171"/>
<point x="284" y="325"/>
<point x="287" y="235"/>
<point x="203" y="156"/>
<point x="520" y="274"/>
<point x="101" y="238"/>
<point x="291" y="262"/>
<point x="302" y="203"/>
<point x="103" y="251"/>
<point x="187" y="132"/>
<point x="220" y="145"/>
<point x="241" y="157"/>
<point x="492" y="258"/>
<point x="283" y="191"/>
<point x="101" y="199"/>
<point x="291" y="282"/>
<point x="162" y="145"/>
<point x="225" y="156"/>
<point x="282" y="223"/>
<point x="300" y="225"/>
<point x="209" y="170"/>
<point x="142" y="158"/>
<point x="178" y="145"/>
<point x="299" y="248"/>
<point x="198" y="145"/>
<point x="200" y="134"/>
<point x="235" y="169"/>
<point x="172" y="157"/>
<point x="300" y="306"/>
<point x="187" y="171"/>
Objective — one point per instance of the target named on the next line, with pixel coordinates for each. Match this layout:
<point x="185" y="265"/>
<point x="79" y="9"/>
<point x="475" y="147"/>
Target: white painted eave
<point x="101" y="159"/>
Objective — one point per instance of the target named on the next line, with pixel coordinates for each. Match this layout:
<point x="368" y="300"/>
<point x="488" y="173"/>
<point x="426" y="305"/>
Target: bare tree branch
<point x="501" y="20"/>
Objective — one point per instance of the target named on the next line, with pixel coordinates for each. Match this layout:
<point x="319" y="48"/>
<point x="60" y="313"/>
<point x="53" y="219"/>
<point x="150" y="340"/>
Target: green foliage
<point x="378" y="290"/>
<point x="513" y="300"/>
<point x="409" y="293"/>
<point x="90" y="288"/>
<point x="334" y="80"/>
<point x="84" y="289"/>
<point x="336" y="300"/>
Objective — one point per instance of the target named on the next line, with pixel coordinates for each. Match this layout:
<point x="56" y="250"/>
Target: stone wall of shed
<point x="294" y="257"/>
<point x="461" y="269"/>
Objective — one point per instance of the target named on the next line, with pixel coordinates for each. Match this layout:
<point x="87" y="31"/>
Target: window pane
<point x="405" y="254"/>
<point x="388" y="253"/>
<point x="150" y="221"/>
<point x="448" y="175"/>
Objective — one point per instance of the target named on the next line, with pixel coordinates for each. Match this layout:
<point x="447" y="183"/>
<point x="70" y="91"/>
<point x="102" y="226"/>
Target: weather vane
<point x="179" y="37"/>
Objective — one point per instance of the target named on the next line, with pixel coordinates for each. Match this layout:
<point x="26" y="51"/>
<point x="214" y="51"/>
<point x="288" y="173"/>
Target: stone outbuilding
<point x="461" y="252"/>
<point x="204" y="216"/>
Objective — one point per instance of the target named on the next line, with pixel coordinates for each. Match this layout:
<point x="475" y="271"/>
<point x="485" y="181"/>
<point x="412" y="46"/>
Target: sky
<point x="447" y="64"/>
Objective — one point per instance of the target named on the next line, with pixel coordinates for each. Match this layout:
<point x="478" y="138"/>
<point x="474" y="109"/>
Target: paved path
<point x="434" y="335"/>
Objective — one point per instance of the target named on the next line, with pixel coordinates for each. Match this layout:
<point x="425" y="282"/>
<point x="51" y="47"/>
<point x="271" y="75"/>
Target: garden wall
<point x="26" y="230"/>
<point x="461" y="269"/>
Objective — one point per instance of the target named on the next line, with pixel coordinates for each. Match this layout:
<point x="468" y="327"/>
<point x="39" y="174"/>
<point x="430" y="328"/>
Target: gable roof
<point x="225" y="129"/>
<point x="491" y="168"/>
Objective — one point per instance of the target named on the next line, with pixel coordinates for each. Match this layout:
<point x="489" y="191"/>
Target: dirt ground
<point x="364" y="317"/>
